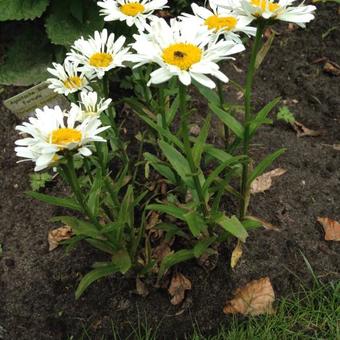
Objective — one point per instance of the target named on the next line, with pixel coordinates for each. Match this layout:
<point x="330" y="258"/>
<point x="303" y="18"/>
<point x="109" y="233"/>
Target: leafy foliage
<point x="22" y="9"/>
<point x="39" y="180"/>
<point x="286" y="115"/>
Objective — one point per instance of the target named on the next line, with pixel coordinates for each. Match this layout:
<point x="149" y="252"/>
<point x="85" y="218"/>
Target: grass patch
<point x="310" y="314"/>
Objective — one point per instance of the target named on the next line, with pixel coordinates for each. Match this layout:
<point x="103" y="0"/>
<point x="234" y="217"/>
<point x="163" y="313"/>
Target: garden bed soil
<point x="37" y="286"/>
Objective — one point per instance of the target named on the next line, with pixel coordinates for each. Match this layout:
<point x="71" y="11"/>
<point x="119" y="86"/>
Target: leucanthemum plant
<point x="222" y="21"/>
<point x="68" y="78"/>
<point x="164" y="62"/>
<point x="133" y="12"/>
<point x="100" y="53"/>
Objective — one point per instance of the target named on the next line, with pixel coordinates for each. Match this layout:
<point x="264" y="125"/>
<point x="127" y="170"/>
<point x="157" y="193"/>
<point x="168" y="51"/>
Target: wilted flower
<point x="89" y="106"/>
<point x="184" y="50"/>
<point x="221" y="20"/>
<point x="100" y="53"/>
<point x="133" y="12"/>
<point x="69" y="78"/>
<point x="52" y="132"/>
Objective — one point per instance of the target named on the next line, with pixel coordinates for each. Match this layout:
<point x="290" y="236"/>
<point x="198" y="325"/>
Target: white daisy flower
<point x="89" y="106"/>
<point x="52" y="132"/>
<point x="221" y="20"/>
<point x="184" y="50"/>
<point x="281" y="10"/>
<point x="100" y="53"/>
<point x="69" y="78"/>
<point x="133" y="12"/>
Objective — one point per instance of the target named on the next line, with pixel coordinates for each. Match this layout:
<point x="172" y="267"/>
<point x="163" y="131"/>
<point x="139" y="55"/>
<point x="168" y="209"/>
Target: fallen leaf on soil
<point x="302" y="131"/>
<point x="179" y="284"/>
<point x="331" y="227"/>
<point x="265" y="224"/>
<point x="333" y="146"/>
<point x="152" y="221"/>
<point x="236" y="254"/>
<point x="264" y="182"/>
<point x="332" y="68"/>
<point x="208" y="260"/>
<point x="161" y="251"/>
<point x="141" y="288"/>
<point x="255" y="298"/>
<point x="55" y="236"/>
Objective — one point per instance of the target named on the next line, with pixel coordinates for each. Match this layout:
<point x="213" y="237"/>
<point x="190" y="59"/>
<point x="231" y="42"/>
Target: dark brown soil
<point x="37" y="286"/>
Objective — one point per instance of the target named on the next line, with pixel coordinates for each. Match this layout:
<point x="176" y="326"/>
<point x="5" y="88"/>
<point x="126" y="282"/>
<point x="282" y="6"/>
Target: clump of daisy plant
<point x="174" y="185"/>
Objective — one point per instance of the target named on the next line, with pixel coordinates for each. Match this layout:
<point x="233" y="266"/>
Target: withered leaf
<point x="236" y="254"/>
<point x="179" y="284"/>
<point x="332" y="68"/>
<point x="153" y="220"/>
<point x="264" y="182"/>
<point x="302" y="131"/>
<point x="55" y="236"/>
<point x="255" y="298"/>
<point x="331" y="228"/>
<point x="141" y="288"/>
<point x="162" y="250"/>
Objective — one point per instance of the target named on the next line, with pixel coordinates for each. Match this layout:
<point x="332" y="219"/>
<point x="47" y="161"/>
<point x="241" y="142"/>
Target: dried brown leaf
<point x="55" y="236"/>
<point x="255" y="298"/>
<point x="302" y="131"/>
<point x="179" y="284"/>
<point x="236" y="254"/>
<point x="152" y="221"/>
<point x="161" y="251"/>
<point x="264" y="182"/>
<point x="141" y="288"/>
<point x="331" y="228"/>
<point x="332" y="69"/>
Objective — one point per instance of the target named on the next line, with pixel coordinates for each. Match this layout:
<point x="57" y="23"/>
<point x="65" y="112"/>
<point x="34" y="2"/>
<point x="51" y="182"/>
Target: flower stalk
<point x="187" y="147"/>
<point x="248" y="117"/>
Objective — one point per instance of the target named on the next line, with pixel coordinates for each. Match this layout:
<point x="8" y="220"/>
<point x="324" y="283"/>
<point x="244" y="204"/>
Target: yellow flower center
<point x="272" y="6"/>
<point x="132" y="9"/>
<point x="182" y="55"/>
<point x="73" y="82"/>
<point x="217" y="23"/>
<point x="64" y="136"/>
<point x="100" y="59"/>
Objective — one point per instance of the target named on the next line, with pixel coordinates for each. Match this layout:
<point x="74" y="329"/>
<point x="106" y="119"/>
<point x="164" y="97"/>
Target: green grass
<point x="310" y="314"/>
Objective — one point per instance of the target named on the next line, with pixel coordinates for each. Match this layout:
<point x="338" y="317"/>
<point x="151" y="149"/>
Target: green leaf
<point x="198" y="147"/>
<point x="261" y="117"/>
<point x="195" y="222"/>
<point x="78" y="226"/>
<point x="106" y="247"/>
<point x="63" y="29"/>
<point x="169" y="209"/>
<point x="121" y="260"/>
<point x="209" y="94"/>
<point x="58" y="201"/>
<point x="26" y="58"/>
<point x="201" y="246"/>
<point x="218" y="154"/>
<point x="171" y="113"/>
<point x="251" y="224"/>
<point x="77" y="9"/>
<point x="22" y="9"/>
<point x="94" y="275"/>
<point x="233" y="124"/>
<point x="233" y="226"/>
<point x="126" y="211"/>
<point x="264" y="50"/>
<point x="286" y="115"/>
<point x="179" y="163"/>
<point x="172" y="259"/>
<point x="94" y="195"/>
<point x="263" y="165"/>
<point x="160" y="167"/>
<point x="171" y="230"/>
<point x="39" y="180"/>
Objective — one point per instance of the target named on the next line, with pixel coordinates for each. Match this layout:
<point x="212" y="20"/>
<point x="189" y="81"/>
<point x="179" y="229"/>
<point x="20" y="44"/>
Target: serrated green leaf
<point x="22" y="9"/>
<point x="63" y="29"/>
<point x="39" y="180"/>
<point x="26" y="58"/>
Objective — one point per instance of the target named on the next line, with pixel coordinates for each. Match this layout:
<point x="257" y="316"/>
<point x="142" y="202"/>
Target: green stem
<point x="73" y="181"/>
<point x="187" y="147"/>
<point x="162" y="107"/>
<point x="248" y="117"/>
<point x="224" y="130"/>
